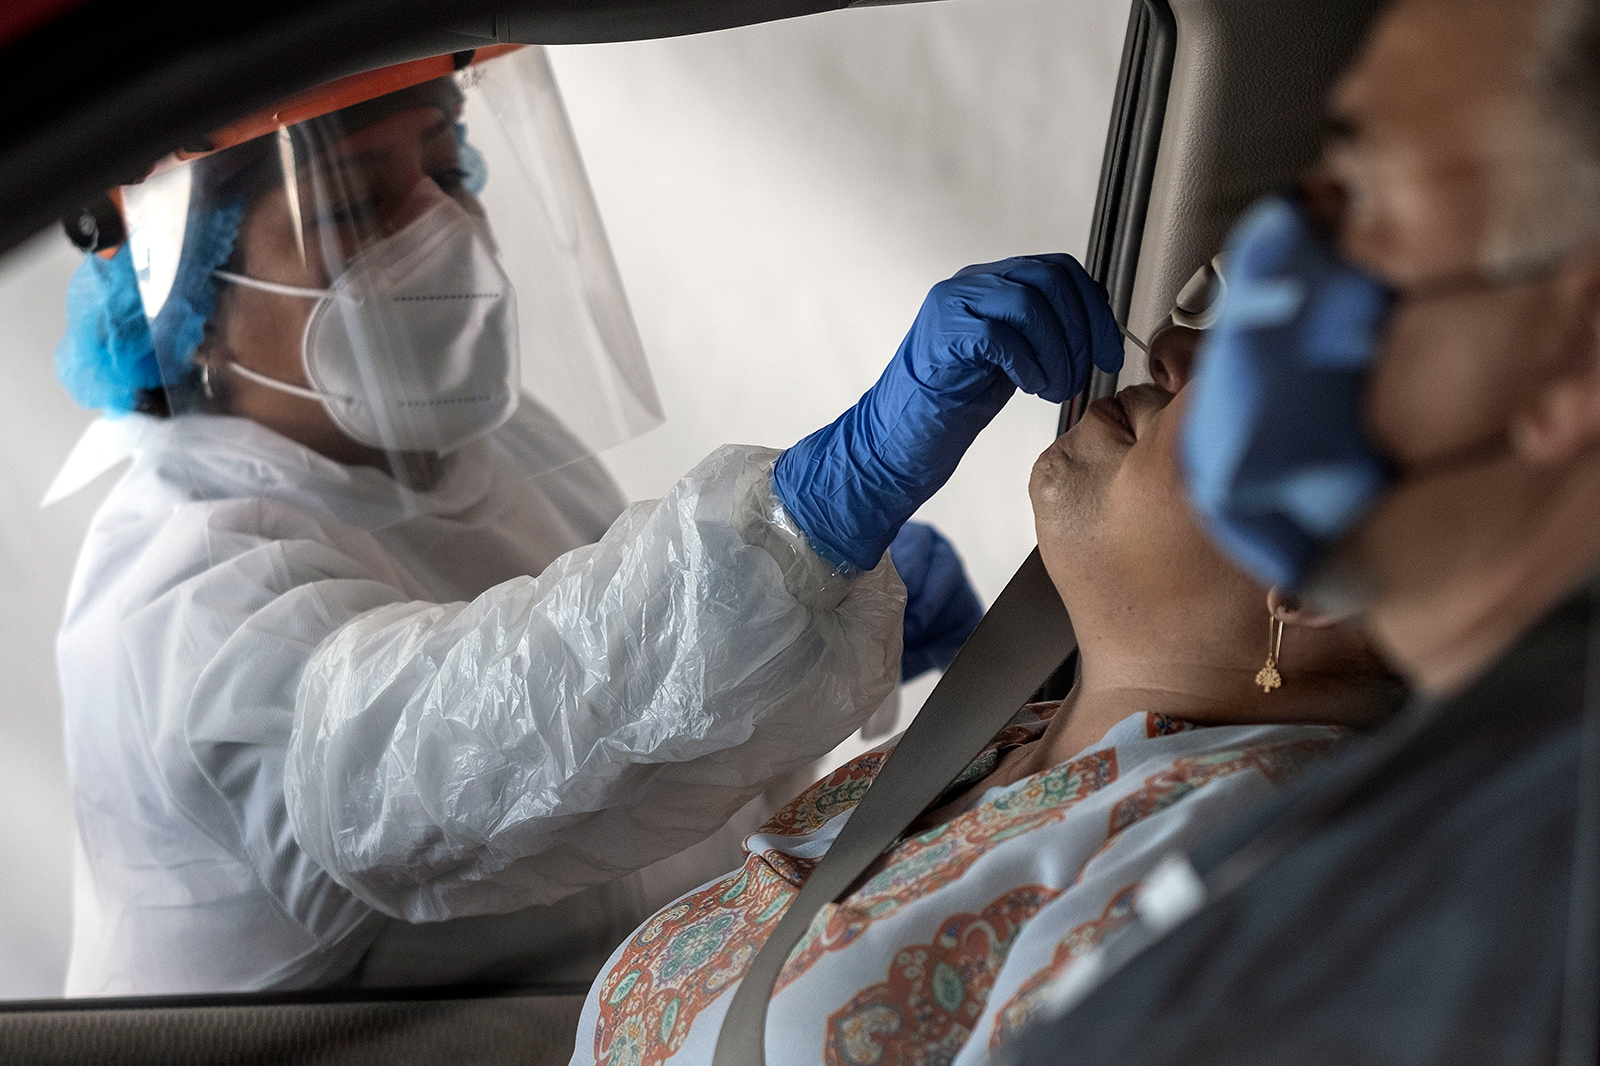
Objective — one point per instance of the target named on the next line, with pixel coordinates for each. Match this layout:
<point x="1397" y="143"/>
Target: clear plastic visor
<point x="395" y="283"/>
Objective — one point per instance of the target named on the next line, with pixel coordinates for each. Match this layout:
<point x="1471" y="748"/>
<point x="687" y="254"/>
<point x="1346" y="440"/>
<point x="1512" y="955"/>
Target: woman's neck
<point x="1193" y="688"/>
<point x="1204" y="694"/>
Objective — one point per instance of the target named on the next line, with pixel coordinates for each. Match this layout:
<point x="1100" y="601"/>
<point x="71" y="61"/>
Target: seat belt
<point x="1023" y="638"/>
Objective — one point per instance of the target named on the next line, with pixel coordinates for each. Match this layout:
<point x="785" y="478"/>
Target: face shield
<point x="388" y="270"/>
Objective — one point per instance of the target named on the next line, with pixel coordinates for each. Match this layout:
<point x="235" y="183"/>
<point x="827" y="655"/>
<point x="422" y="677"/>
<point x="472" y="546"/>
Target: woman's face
<point x="1114" y="529"/>
<point x="357" y="191"/>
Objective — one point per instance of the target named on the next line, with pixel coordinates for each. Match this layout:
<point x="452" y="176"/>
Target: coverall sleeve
<point x="565" y="729"/>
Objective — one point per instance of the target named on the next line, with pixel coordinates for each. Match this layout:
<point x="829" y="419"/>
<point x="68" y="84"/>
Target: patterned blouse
<point x="957" y="940"/>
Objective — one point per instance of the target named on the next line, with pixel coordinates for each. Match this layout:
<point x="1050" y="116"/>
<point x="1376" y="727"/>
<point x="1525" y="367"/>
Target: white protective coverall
<point x="299" y="720"/>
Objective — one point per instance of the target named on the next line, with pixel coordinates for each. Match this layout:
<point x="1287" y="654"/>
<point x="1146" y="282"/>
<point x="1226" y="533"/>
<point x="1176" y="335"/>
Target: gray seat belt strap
<point x="1024" y="637"/>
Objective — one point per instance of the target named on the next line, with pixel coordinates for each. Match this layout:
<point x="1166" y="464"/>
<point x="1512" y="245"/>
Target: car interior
<point x="1216" y="102"/>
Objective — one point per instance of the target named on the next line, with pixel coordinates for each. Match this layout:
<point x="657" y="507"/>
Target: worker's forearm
<point x="562" y="730"/>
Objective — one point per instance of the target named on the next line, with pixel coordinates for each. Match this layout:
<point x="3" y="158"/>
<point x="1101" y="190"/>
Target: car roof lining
<point x="1244" y="113"/>
<point x="107" y="87"/>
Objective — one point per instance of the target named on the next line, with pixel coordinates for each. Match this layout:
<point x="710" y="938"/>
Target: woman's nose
<point x="1172" y="355"/>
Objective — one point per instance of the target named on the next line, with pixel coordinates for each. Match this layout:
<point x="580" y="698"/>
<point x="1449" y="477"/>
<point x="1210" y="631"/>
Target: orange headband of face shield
<point x="339" y="94"/>
<point x="321" y="100"/>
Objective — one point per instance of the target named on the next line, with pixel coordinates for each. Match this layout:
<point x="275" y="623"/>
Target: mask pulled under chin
<point x="414" y="347"/>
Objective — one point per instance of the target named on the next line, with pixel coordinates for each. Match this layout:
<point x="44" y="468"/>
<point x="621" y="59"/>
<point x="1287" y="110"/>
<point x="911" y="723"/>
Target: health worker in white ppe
<point x="370" y="678"/>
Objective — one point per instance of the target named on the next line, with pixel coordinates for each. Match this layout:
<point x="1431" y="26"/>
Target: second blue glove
<point x="942" y="607"/>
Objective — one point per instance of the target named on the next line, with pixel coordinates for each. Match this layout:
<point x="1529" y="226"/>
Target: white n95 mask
<point x="414" y="346"/>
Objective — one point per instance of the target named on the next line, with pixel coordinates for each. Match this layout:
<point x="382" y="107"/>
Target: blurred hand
<point x="942" y="607"/>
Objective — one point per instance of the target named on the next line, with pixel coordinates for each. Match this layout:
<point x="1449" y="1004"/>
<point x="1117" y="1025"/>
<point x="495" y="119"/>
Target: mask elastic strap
<point x="283" y="386"/>
<point x="270" y="286"/>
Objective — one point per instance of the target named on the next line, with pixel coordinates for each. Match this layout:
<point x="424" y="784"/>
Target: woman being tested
<point x="359" y="645"/>
<point x="1198" y="695"/>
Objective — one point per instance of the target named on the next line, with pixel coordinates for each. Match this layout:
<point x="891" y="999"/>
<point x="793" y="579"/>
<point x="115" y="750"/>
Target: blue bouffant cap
<point x="179" y="327"/>
<point x="106" y="356"/>
<point x="111" y="350"/>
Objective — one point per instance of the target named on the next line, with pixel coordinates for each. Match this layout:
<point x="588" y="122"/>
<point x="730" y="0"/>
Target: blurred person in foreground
<point x="1399" y="416"/>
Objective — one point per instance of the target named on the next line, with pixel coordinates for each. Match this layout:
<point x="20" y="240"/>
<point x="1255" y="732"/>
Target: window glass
<point x="778" y="198"/>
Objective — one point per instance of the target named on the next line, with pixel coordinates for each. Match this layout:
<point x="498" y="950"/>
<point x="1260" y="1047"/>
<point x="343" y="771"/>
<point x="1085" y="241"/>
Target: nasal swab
<point x="1141" y="345"/>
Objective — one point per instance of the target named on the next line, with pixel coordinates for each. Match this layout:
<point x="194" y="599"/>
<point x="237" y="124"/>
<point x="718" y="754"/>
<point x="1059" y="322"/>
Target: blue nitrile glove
<point x="1034" y="323"/>
<point x="942" y="607"/>
<point x="1275" y="457"/>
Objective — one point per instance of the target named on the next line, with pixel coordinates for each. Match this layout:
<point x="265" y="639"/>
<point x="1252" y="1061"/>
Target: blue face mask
<point x="1276" y="461"/>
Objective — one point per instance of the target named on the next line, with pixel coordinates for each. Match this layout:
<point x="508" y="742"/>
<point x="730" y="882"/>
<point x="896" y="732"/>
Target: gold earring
<point x="1268" y="677"/>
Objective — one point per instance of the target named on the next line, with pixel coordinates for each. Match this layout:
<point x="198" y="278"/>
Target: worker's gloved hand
<point x="1034" y="323"/>
<point x="942" y="607"/>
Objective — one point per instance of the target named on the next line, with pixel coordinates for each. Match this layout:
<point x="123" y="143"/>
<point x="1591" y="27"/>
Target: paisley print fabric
<point x="686" y="956"/>
<point x="1031" y="1000"/>
<point x="928" y="861"/>
<point x="935" y="993"/>
<point x="1276" y="762"/>
<point x="954" y="942"/>
<point x="833" y="795"/>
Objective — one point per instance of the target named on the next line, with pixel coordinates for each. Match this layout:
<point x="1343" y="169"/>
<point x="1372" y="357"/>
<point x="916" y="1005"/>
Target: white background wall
<point x="779" y="199"/>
